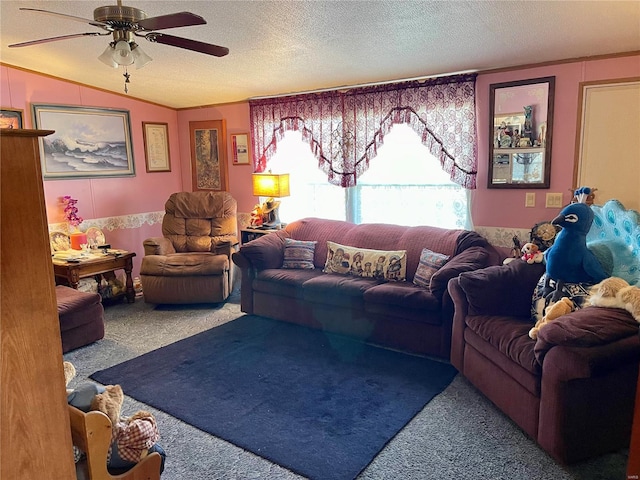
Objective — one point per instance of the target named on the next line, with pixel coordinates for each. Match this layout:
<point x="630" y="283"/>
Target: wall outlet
<point x="554" y="200"/>
<point x="530" y="199"/>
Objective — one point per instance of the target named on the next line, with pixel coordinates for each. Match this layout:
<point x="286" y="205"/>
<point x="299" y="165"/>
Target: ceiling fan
<point x="125" y="23"/>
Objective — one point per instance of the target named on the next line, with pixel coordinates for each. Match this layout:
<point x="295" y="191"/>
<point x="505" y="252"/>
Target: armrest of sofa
<point x="158" y="246"/>
<point x="472" y="258"/>
<point x="264" y="252"/>
<point x="501" y="289"/>
<point x="565" y="363"/>
<point x="587" y="334"/>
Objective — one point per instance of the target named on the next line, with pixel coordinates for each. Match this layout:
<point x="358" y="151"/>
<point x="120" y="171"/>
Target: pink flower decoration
<point x="71" y="211"/>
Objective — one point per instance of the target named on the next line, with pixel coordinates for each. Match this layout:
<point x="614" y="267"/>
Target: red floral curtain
<point x="345" y="128"/>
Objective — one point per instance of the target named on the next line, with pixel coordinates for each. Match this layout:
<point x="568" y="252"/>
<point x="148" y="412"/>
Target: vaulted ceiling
<point x="280" y="47"/>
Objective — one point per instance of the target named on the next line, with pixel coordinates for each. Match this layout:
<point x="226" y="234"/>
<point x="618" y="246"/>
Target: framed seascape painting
<point x="88" y="142"/>
<point x="10" y="118"/>
<point x="208" y="155"/>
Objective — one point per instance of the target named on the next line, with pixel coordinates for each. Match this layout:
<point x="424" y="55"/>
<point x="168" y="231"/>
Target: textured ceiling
<point x="280" y="47"/>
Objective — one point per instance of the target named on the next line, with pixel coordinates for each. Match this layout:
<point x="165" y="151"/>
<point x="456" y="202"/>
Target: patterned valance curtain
<point x="345" y="128"/>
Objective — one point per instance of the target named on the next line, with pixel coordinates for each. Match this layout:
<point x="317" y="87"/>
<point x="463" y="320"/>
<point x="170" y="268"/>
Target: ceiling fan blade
<point x="55" y="39"/>
<point x="70" y="17"/>
<point x="173" y="20"/>
<point x="194" y="45"/>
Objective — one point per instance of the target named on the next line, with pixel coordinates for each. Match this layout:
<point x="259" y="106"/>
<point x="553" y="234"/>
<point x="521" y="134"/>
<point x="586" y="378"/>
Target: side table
<point x="248" y="234"/>
<point x="72" y="272"/>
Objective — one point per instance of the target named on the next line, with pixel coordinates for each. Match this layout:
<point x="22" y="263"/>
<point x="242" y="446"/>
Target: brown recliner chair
<point x="191" y="262"/>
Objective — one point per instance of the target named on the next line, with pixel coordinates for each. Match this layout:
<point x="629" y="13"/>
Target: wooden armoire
<point x="35" y="437"/>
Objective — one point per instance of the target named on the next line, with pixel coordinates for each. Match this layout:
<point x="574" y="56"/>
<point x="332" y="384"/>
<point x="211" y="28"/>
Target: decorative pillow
<point x="363" y="262"/>
<point x="430" y="262"/>
<point x="298" y="254"/>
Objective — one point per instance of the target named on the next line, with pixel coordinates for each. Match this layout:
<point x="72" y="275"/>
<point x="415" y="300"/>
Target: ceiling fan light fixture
<point x="107" y="57"/>
<point x="122" y="53"/>
<point x="140" y="59"/>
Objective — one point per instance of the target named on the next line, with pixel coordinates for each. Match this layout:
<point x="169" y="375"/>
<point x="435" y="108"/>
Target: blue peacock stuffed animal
<point x="569" y="260"/>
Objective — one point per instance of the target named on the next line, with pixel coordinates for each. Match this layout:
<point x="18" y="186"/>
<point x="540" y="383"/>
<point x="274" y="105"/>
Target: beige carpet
<point x="458" y="435"/>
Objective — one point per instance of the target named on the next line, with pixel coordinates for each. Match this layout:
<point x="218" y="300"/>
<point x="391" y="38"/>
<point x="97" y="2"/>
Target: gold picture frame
<point x="11" y="118"/>
<point x="156" y="147"/>
<point x="208" y="155"/>
<point x="88" y="142"/>
<point x="240" y="149"/>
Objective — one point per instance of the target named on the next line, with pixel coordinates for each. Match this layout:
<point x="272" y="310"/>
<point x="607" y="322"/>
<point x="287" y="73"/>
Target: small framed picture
<point x="10" y="118"/>
<point x="240" y="152"/>
<point x="156" y="147"/>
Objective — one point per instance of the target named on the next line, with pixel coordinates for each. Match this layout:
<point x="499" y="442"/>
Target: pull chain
<point x="126" y="76"/>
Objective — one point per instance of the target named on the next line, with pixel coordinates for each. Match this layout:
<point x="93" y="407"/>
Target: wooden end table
<point x="72" y="272"/>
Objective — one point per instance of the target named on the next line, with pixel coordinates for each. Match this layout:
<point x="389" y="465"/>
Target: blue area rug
<point x="320" y="405"/>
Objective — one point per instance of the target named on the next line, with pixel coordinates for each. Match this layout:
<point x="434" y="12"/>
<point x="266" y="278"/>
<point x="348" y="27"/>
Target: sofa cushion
<point x="298" y="254"/>
<point x="501" y="289"/>
<point x="509" y="335"/>
<point x="430" y="263"/>
<point x="284" y="282"/>
<point x="403" y="294"/>
<point x="338" y="290"/>
<point x="365" y="262"/>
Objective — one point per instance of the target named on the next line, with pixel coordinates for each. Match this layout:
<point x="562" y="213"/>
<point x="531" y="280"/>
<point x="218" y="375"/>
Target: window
<point x="404" y="185"/>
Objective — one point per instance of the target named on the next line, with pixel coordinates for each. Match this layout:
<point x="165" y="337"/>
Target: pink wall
<point x="505" y="207"/>
<point x="237" y="120"/>
<point x="104" y="197"/>
<point x="127" y="198"/>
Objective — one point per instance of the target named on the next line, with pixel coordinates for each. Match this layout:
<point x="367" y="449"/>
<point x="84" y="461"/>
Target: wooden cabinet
<point x="35" y="437"/>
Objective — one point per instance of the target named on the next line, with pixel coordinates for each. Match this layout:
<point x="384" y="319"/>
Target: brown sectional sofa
<point x="398" y="315"/>
<point x="573" y="389"/>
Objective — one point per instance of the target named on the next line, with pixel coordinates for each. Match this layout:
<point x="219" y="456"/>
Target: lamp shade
<point x="140" y="59"/>
<point x="122" y="53"/>
<point x="271" y="184"/>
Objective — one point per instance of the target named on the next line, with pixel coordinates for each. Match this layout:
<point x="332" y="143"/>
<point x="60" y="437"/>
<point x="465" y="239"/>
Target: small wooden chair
<point x="91" y="433"/>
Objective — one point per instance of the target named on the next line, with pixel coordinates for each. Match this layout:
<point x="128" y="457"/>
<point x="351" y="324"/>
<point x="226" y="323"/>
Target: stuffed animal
<point x="629" y="297"/>
<point x="553" y="311"/>
<point x="133" y="438"/>
<point x="531" y="253"/>
<point x="604" y="294"/>
<point x="568" y="259"/>
<point x="615" y="292"/>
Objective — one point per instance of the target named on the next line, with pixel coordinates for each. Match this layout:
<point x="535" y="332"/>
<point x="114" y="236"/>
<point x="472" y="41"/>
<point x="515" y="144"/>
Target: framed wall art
<point x="156" y="147"/>
<point x="10" y="118"/>
<point x="88" y="142"/>
<point x="240" y="151"/>
<point x="208" y="155"/>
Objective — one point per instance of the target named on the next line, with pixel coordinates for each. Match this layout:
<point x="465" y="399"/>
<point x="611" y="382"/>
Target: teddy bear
<point x="629" y="298"/>
<point x="615" y="292"/>
<point x="531" y="253"/>
<point x="555" y="310"/>
<point x="605" y="293"/>
<point x="133" y="438"/>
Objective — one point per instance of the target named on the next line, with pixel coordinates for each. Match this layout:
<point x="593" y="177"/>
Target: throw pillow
<point x="430" y="262"/>
<point x="298" y="254"/>
<point x="364" y="262"/>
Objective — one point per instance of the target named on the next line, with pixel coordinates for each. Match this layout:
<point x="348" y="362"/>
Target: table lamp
<point x="271" y="185"/>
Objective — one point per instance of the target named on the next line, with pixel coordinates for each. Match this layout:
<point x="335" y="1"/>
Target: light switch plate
<point x="530" y="199"/>
<point x="553" y="200"/>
